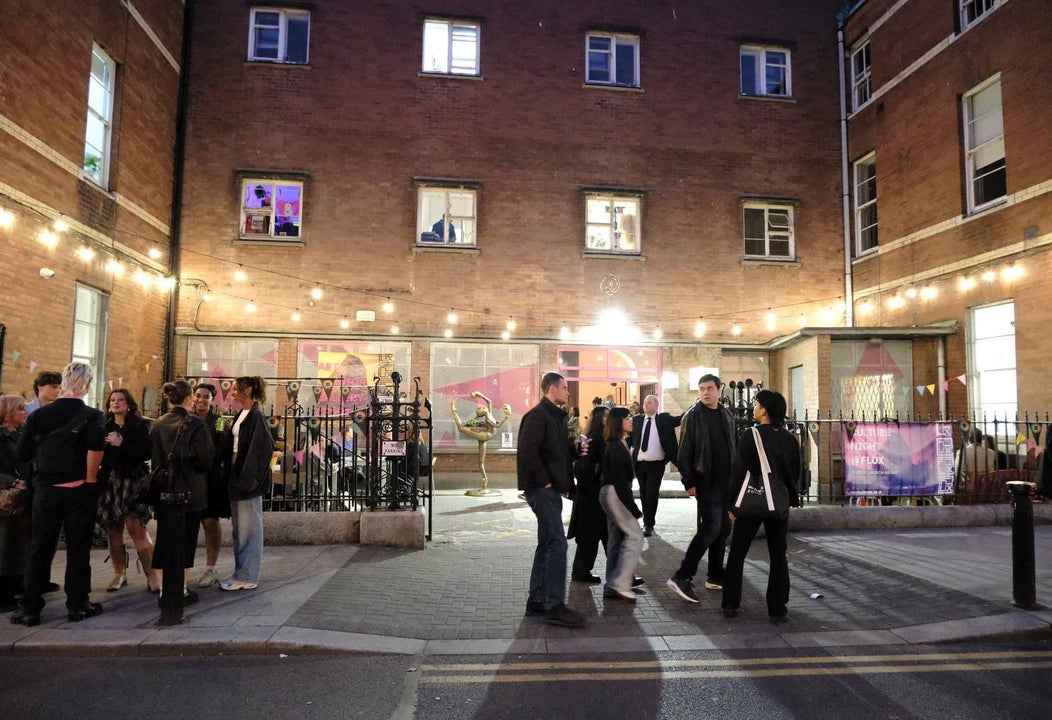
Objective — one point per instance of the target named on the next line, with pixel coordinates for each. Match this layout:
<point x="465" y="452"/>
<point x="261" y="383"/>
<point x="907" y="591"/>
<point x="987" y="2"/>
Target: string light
<point x="1012" y="272"/>
<point x="114" y="267"/>
<point x="316" y="293"/>
<point x="60" y="225"/>
<point x="505" y="335"/>
<point x="345" y="323"/>
<point x="911" y="292"/>
<point x="510" y="325"/>
<point x="7" y="219"/>
<point x="239" y="274"/>
<point x="928" y="292"/>
<point x="85" y="253"/>
<point x="452" y="317"/>
<point x="564" y="333"/>
<point x="801" y="320"/>
<point x="155" y="253"/>
<point x="989" y="276"/>
<point x="448" y="332"/>
<point x="657" y="333"/>
<point x="700" y="328"/>
<point x="736" y="330"/>
<point x="394" y="329"/>
<point x="770" y="320"/>
<point x="865" y="307"/>
<point x="166" y="283"/>
<point x="251" y="307"/>
<point x="296" y="317"/>
<point x="143" y="278"/>
<point x="207" y="297"/>
<point x="965" y="283"/>
<point x="388" y="306"/>
<point x="895" y="302"/>
<point x="48" y="239"/>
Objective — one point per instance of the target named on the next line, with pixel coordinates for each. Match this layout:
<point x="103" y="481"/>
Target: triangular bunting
<point x="931" y="388"/>
<point x="920" y="390"/>
<point x="945" y="384"/>
<point x="1020" y="439"/>
<point x="962" y="379"/>
<point x="906" y="391"/>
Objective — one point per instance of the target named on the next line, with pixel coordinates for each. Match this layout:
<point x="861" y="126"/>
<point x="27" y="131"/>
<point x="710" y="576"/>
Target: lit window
<point x="972" y="10"/>
<point x="768" y="231"/>
<point x="446" y="216"/>
<point x="271" y="210"/>
<point x="984" y="145"/>
<point x="866" y="203"/>
<point x="98" y="134"/>
<point x="277" y="35"/>
<point x="613" y="224"/>
<point x="765" y="71"/>
<point x="860" y="88"/>
<point x="451" y="48"/>
<point x="612" y="60"/>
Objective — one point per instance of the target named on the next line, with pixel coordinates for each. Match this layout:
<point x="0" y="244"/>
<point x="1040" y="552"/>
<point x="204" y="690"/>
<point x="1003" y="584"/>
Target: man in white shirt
<point x="654" y="445"/>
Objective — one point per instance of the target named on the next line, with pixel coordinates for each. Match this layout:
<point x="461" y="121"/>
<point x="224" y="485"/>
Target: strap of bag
<point x="178" y="436"/>
<point x="765" y="468"/>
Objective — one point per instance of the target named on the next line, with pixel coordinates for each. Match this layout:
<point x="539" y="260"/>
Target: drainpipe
<point x="177" y="185"/>
<point x="845" y="195"/>
<point x="941" y="355"/>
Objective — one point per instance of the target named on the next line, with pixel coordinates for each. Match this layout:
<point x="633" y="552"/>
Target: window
<point x="446" y="216"/>
<point x="768" y="230"/>
<point x="271" y="209"/>
<point x="89" y="336"/>
<point x="451" y="48"/>
<point x="972" y="10"/>
<point x="992" y="386"/>
<point x="277" y="35"/>
<point x="866" y="204"/>
<point x="860" y="89"/>
<point x="612" y="60"/>
<point x="97" y="136"/>
<point x="765" y="71"/>
<point x="984" y="145"/>
<point x="613" y="224"/>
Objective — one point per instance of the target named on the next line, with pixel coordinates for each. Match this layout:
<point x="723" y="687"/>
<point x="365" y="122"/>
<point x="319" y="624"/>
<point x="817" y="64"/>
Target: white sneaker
<point x="208" y="579"/>
<point x="231" y="584"/>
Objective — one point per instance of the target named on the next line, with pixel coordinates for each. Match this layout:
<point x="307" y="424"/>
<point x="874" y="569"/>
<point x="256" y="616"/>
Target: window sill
<point x="619" y="88"/>
<point x="870" y="253"/>
<point x="989" y="207"/>
<point x="790" y="262"/>
<point x="94" y="184"/>
<point x="448" y="76"/>
<point x="611" y="255"/>
<point x="283" y="242"/>
<point x="770" y="98"/>
<point x="469" y="249"/>
<point x="275" y="63"/>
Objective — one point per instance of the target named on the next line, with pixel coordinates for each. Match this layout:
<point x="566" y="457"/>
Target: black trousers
<point x="54" y="510"/>
<point x="585" y="555"/>
<point x="649" y="474"/>
<point x="745" y="529"/>
<point x="713" y="528"/>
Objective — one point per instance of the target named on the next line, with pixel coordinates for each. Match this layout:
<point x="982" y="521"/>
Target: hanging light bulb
<point x="928" y="292"/>
<point x="251" y="307"/>
<point x="48" y="239"/>
<point x="114" y="266"/>
<point x="388" y="306"/>
<point x="316" y="293"/>
<point x="801" y="320"/>
<point x="451" y="318"/>
<point x="448" y="332"/>
<point x="85" y="253"/>
<point x="345" y="323"/>
<point x="7" y="219"/>
<point x="394" y="329"/>
<point x="505" y="335"/>
<point x="296" y="317"/>
<point x="60" y="225"/>
<point x="770" y="320"/>
<point x="911" y="292"/>
<point x="895" y="302"/>
<point x="510" y="325"/>
<point x="564" y="333"/>
<point x="989" y="276"/>
<point x="657" y="333"/>
<point x="700" y="328"/>
<point x="207" y="297"/>
<point x="865" y="307"/>
<point x="736" y="330"/>
<point x="155" y="253"/>
<point x="239" y="274"/>
<point x="165" y="283"/>
<point x="143" y="278"/>
<point x="965" y="283"/>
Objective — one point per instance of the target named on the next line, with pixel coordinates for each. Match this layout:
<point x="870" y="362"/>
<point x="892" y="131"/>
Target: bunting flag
<point x="298" y="455"/>
<point x="906" y="391"/>
<point x="111" y="385"/>
<point x="945" y="384"/>
<point x="962" y="379"/>
<point x="964" y="425"/>
<point x="1036" y="429"/>
<point x="327" y="386"/>
<point x="224" y="388"/>
<point x="146" y="367"/>
<point x="1020" y="439"/>
<point x="345" y="390"/>
<point x="32" y="367"/>
<point x="812" y="428"/>
<point x="1031" y="445"/>
<point x="292" y="390"/>
<point x="317" y="392"/>
<point x="931" y="388"/>
<point x="192" y="381"/>
<point x="120" y="381"/>
<point x="849" y="427"/>
<point x="920" y="390"/>
<point x="15" y="354"/>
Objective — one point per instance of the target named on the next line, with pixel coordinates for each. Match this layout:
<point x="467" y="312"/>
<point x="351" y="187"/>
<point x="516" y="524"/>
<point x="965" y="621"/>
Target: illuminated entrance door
<point x="619" y="374"/>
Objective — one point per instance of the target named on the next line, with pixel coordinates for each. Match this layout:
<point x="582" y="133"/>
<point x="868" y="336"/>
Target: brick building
<point x="633" y="195"/>
<point x="90" y="95"/>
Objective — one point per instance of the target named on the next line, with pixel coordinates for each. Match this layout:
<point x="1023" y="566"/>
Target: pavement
<point x="465" y="593"/>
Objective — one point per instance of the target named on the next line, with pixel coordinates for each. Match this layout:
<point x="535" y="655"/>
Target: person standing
<point x="66" y="439"/>
<point x="218" y="492"/>
<point x="588" y="521"/>
<point x="654" y="445"/>
<point x="46" y="387"/>
<point x="783" y="457"/>
<point x="545" y="477"/>
<point x="183" y="437"/>
<point x="15" y="531"/>
<point x="706" y="450"/>
<point x="125" y="499"/>
<point x="250" y="476"/>
<point x="625" y="537"/>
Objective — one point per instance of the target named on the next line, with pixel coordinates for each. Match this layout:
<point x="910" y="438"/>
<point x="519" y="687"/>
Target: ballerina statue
<point x="482" y="428"/>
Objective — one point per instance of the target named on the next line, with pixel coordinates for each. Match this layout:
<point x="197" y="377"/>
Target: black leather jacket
<point x="695" y="447"/>
<point x="545" y="454"/>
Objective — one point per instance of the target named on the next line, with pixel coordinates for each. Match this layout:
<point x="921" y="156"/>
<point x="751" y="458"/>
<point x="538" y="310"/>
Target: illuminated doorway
<point x="618" y="374"/>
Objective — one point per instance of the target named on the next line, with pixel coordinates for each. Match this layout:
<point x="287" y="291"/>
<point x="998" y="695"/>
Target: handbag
<point x="764" y="495"/>
<point x="160" y="489"/>
<point x="12" y="498"/>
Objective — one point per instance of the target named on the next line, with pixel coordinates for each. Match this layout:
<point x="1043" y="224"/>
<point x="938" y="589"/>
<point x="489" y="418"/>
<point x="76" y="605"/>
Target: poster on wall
<point x="898" y="459"/>
<point x="345" y="372"/>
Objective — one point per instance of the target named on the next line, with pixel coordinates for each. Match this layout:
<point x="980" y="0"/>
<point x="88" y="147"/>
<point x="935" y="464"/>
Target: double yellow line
<point x="529" y="672"/>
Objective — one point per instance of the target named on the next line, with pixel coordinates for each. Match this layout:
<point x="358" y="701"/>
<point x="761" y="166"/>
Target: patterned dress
<point x="124" y="473"/>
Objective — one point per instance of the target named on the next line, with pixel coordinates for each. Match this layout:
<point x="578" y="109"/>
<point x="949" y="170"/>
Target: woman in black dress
<point x="588" y="521"/>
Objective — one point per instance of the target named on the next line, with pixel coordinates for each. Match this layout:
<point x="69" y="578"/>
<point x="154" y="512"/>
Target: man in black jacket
<point x="654" y="445"/>
<point x="545" y="474"/>
<point x="706" y="452"/>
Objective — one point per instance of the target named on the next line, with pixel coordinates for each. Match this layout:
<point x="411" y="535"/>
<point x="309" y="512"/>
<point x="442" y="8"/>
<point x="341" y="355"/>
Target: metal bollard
<point x="1024" y="594"/>
<point x="173" y="515"/>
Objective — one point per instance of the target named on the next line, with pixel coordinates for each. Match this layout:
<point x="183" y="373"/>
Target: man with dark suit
<point x="654" y="445"/>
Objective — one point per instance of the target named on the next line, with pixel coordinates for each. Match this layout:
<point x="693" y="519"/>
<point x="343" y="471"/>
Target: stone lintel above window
<point x="769" y="200"/>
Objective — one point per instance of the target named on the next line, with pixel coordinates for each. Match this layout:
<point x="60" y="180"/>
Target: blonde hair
<point x="8" y="404"/>
<point x="76" y="378"/>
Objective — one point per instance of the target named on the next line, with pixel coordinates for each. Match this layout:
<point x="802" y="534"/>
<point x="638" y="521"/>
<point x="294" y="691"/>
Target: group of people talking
<point x="79" y="466"/>
<point x="597" y="472"/>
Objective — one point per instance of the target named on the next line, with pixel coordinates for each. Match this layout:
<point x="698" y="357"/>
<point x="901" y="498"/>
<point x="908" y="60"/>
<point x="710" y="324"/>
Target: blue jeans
<point x="624" y="541"/>
<point x="246" y="520"/>
<point x="548" y="577"/>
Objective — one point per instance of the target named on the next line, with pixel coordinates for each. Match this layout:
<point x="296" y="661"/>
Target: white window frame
<point x="464" y="238"/>
<point x="453" y="26"/>
<point x="616" y="40"/>
<point x="861" y="89"/>
<point x="107" y="84"/>
<point x="759" y="55"/>
<point x="980" y="377"/>
<point x="269" y="212"/>
<point x="971" y="150"/>
<point x="96" y="327"/>
<point x="595" y="243"/>
<point x="789" y="231"/>
<point x="283" y="35"/>
<point x="978" y="8"/>
<point x="869" y="160"/>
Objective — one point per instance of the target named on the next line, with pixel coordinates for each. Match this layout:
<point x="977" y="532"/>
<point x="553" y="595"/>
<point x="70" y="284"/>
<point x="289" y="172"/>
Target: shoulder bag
<point x="764" y="495"/>
<point x="161" y="488"/>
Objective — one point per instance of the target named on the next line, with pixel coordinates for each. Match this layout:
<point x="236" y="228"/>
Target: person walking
<point x="181" y="436"/>
<point x="250" y="476"/>
<point x="588" y="521"/>
<point x="625" y="537"/>
<point x="783" y="457"/>
<point x="125" y="503"/>
<point x="654" y="445"/>
<point x="66" y="439"/>
<point x="545" y="477"/>
<point x="706" y="450"/>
